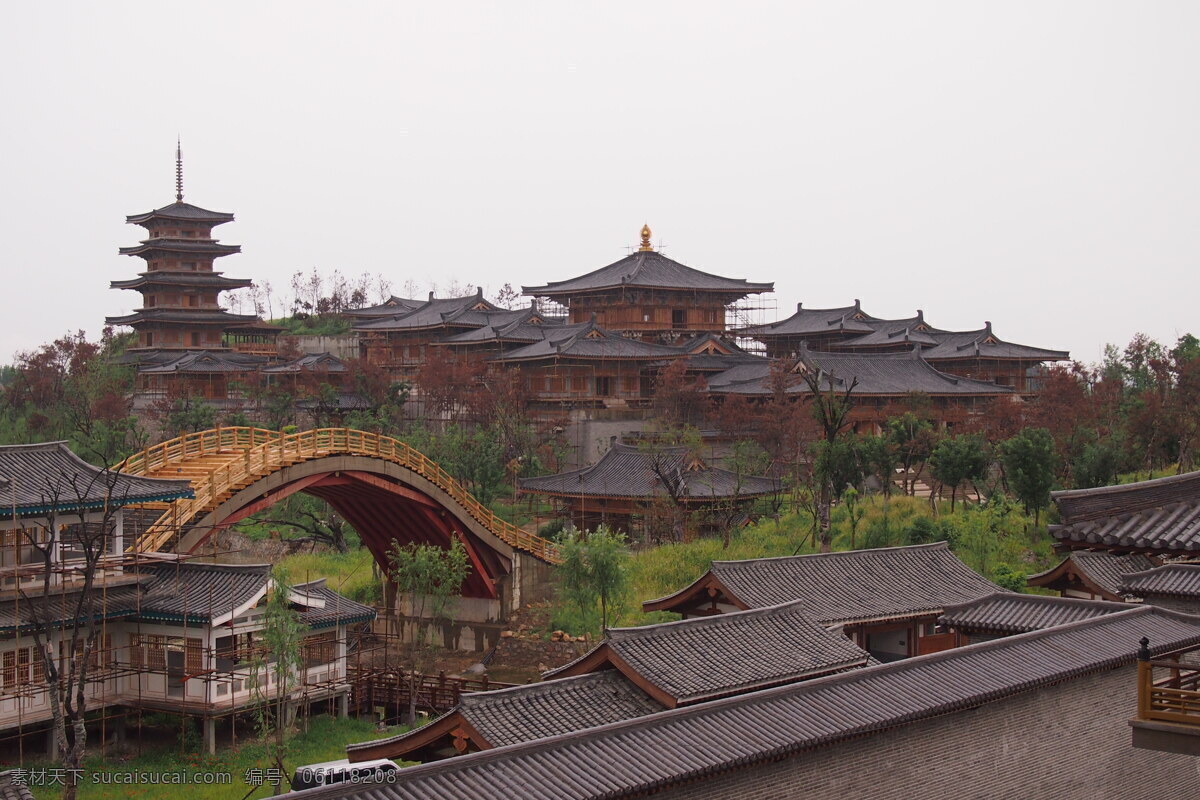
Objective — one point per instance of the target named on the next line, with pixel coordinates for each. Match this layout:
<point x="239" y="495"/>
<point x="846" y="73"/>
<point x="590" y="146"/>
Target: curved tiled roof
<point x="816" y="321"/>
<point x="1155" y="516"/>
<point x="201" y="247"/>
<point x="199" y="279"/>
<point x="197" y="317"/>
<point x="204" y="361"/>
<point x="628" y="471"/>
<point x="638" y="756"/>
<point x="199" y="592"/>
<point x="337" y="610"/>
<point x="393" y="306"/>
<point x="648" y="269"/>
<point x="435" y="313"/>
<point x="1102" y="569"/>
<point x="698" y="659"/>
<point x="589" y="340"/>
<point x="36" y="479"/>
<point x="1008" y="613"/>
<point x="524" y="713"/>
<point x="852" y="586"/>
<point x="983" y="343"/>
<point x="181" y="211"/>
<point x="876" y="373"/>
<point x="309" y="362"/>
<point x="1171" y="580"/>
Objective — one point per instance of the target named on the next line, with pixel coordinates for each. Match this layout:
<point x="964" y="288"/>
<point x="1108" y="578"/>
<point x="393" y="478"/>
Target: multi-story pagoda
<point x="180" y="291"/>
<point x="649" y="296"/>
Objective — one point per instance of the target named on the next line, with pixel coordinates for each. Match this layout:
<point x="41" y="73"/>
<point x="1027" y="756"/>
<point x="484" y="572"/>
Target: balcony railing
<point x="1169" y="686"/>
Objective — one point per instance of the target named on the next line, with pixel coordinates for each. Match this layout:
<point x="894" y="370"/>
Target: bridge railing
<point x="251" y="453"/>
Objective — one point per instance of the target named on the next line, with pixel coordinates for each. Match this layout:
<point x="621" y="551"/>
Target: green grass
<point x="349" y="573"/>
<point x="325" y="740"/>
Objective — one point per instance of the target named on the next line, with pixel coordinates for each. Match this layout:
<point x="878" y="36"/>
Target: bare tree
<point x="68" y="545"/>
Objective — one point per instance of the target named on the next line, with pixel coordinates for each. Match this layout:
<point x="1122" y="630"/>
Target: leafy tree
<point x="854" y="512"/>
<point x="1029" y="462"/>
<point x="958" y="459"/>
<point x="72" y="389"/>
<point x="1099" y="464"/>
<point x="275" y="670"/>
<point x="1009" y="577"/>
<point x="430" y="579"/>
<point x="185" y="414"/>
<point x="316" y="519"/>
<point x="913" y="437"/>
<point x="594" y="570"/>
<point x="835" y="464"/>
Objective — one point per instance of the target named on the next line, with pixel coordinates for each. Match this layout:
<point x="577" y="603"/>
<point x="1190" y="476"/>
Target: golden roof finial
<point x="645" y="248"/>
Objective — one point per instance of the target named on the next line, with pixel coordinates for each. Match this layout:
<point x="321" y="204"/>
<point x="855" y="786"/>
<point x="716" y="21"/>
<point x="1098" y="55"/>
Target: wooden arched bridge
<point x="383" y="487"/>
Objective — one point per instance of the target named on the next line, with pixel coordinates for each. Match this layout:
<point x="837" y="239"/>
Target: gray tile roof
<point x="1171" y="580"/>
<point x="205" y="361"/>
<point x="198" y="246"/>
<point x="195" y="317"/>
<point x="309" y="362"/>
<point x="590" y="341"/>
<point x="338" y="610"/>
<point x="707" y="657"/>
<point x="852" y="586"/>
<point x="1155" y="516"/>
<point x="1008" y="613"/>
<point x="1098" y="567"/>
<point x="112" y="602"/>
<point x="534" y="711"/>
<point x="198" y="591"/>
<point x="183" y="211"/>
<point x="642" y="755"/>
<point x="393" y="306"/>
<point x="200" y="279"/>
<point x="628" y="471"/>
<point x="887" y="374"/>
<point x="893" y="332"/>
<point x="38" y="478"/>
<point x="174" y="591"/>
<point x="512" y="326"/>
<point x="953" y="345"/>
<point x="648" y="269"/>
<point x="436" y="313"/>
<point x="816" y="321"/>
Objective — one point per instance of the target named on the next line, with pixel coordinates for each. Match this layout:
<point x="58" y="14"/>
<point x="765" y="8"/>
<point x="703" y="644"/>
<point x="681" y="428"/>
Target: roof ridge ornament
<point x="646" y="246"/>
<point x="178" y="170"/>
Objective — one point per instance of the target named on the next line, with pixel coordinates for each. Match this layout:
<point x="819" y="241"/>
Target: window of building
<point x="193" y="301"/>
<point x="189" y="265"/>
<point x="149" y="336"/>
<point x="603" y="386"/>
<point x="195" y="339"/>
<point x="22" y="667"/>
<point x="678" y="318"/>
<point x="320" y="649"/>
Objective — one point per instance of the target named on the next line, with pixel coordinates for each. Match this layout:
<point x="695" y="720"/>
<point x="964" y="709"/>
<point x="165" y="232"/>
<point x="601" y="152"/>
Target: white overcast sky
<point x="1036" y="164"/>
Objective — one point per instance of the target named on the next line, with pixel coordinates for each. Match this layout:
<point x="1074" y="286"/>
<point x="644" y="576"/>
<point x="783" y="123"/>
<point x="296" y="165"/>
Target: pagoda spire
<point x="178" y="171"/>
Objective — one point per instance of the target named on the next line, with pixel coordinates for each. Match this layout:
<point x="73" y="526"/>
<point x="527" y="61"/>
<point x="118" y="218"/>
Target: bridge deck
<point x="222" y="461"/>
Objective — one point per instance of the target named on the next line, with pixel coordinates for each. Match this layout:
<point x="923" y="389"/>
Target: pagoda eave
<point x="197" y="249"/>
<point x="184" y="280"/>
<point x="215" y="318"/>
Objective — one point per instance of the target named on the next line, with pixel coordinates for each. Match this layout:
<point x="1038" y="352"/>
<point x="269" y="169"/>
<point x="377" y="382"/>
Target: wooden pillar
<point x="210" y="735"/>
